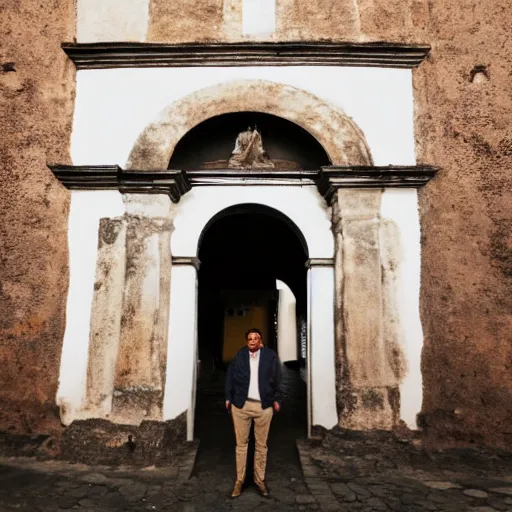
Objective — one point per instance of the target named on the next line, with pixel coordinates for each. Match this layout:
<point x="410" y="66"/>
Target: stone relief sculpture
<point x="249" y="152"/>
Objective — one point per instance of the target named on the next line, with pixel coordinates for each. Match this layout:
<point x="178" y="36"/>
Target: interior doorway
<point x="253" y="262"/>
<point x="245" y="253"/>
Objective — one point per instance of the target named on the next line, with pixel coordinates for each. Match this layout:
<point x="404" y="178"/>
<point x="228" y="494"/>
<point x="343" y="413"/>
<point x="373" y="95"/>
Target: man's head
<point x="254" y="340"/>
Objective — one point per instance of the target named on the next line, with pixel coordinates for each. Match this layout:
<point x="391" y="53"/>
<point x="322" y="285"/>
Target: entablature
<point x="175" y="183"/>
<point x="142" y="55"/>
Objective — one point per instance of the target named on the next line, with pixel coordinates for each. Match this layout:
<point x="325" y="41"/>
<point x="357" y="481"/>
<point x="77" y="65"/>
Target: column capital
<point x="186" y="260"/>
<point x="319" y="262"/>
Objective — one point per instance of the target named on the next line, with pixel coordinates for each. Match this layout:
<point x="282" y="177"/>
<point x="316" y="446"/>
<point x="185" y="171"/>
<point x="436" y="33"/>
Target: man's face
<point x="253" y="341"/>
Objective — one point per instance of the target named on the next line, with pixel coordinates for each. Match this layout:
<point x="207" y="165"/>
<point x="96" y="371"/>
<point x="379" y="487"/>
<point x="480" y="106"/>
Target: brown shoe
<point x="237" y="489"/>
<point x="262" y="488"/>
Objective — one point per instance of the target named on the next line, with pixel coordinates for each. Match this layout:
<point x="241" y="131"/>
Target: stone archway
<point x="340" y="137"/>
<point x="304" y="208"/>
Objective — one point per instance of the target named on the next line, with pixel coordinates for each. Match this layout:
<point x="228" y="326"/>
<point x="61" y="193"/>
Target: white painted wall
<point x="321" y="349"/>
<point x="286" y="323"/>
<point x="111" y="20"/>
<point x="401" y="206"/>
<point x="86" y="210"/>
<point x="113" y="106"/>
<point x="180" y="384"/>
<point x="303" y="205"/>
<point x="258" y="17"/>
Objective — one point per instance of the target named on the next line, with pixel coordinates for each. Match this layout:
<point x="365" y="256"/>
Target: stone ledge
<point x="397" y="176"/>
<point x="141" y="55"/>
<point x="309" y="470"/>
<point x="99" y="441"/>
<point x="112" y="177"/>
<point x="176" y="183"/>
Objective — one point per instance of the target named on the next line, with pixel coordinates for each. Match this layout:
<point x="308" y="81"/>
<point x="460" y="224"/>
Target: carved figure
<point x="249" y="152"/>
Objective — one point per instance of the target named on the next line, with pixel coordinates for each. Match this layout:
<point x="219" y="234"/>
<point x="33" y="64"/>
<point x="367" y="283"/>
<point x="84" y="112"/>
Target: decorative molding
<point x="319" y="262"/>
<point x="102" y="177"/>
<point x="230" y="177"/>
<point x="142" y="55"/>
<point x="331" y="179"/>
<point x="175" y="183"/>
<point x="186" y="260"/>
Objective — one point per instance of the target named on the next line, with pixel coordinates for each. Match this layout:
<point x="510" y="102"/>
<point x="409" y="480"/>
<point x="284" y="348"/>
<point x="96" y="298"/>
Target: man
<point x="252" y="394"/>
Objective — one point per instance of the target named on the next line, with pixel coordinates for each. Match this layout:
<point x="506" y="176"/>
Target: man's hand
<point x="277" y="407"/>
<point x="228" y="405"/>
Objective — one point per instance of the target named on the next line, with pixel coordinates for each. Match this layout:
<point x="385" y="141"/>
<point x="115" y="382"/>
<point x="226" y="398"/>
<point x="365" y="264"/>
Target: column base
<point x="131" y="406"/>
<point x="371" y="408"/>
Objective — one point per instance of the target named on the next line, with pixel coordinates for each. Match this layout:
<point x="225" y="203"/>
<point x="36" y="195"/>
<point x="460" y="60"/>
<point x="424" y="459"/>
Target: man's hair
<point x="254" y="330"/>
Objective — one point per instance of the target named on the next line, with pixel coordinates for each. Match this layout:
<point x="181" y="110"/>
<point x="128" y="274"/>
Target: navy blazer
<point x="239" y="376"/>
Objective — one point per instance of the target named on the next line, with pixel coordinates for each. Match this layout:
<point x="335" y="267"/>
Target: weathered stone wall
<point x="463" y="125"/>
<point x="371" y="361"/>
<point x="222" y="20"/>
<point x="36" y="105"/>
<point x="181" y="20"/>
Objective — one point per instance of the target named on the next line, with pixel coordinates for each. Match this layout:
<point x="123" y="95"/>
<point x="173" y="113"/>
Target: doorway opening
<point x="252" y="274"/>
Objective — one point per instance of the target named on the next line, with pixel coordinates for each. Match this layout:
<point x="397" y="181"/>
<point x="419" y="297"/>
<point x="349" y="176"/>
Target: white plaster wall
<point x="111" y="20"/>
<point x="401" y="206"/>
<point x="286" y="323"/>
<point x="303" y="205"/>
<point x="86" y="210"/>
<point x="182" y="347"/>
<point x="113" y="106"/>
<point x="321" y="350"/>
<point x="258" y="17"/>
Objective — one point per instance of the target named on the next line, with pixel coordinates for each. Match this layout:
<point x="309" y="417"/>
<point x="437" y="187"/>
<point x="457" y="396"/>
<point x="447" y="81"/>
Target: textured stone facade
<point x="462" y="123"/>
<point x="36" y="107"/>
<point x="222" y="20"/>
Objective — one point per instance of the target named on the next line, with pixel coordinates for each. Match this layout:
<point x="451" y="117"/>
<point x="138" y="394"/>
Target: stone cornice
<point x="108" y="177"/>
<point x="333" y="178"/>
<point x="138" y="55"/>
<point x="175" y="183"/>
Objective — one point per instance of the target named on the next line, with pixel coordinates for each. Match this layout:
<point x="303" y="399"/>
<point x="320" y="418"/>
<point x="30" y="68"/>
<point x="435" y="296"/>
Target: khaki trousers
<point x="242" y="418"/>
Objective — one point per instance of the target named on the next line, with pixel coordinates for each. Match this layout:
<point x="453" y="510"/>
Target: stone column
<point x="321" y="350"/>
<point x="368" y="397"/>
<point x="93" y="243"/>
<point x="106" y="316"/>
<point x="140" y="371"/>
<point x="180" y="385"/>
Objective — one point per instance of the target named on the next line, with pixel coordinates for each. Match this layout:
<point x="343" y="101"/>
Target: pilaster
<point x="180" y="385"/>
<point x="368" y="394"/>
<point x="106" y="315"/>
<point x="141" y="363"/>
<point x="321" y="349"/>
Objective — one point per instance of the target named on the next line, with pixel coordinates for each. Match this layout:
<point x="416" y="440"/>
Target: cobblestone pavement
<point x="336" y="472"/>
<point x="433" y="485"/>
